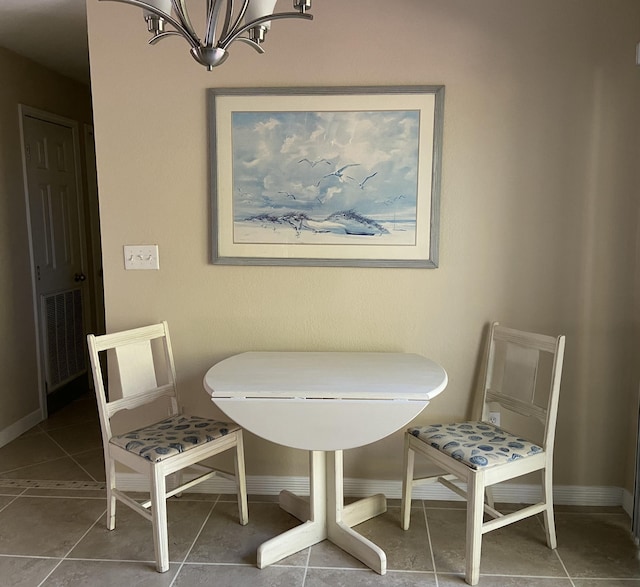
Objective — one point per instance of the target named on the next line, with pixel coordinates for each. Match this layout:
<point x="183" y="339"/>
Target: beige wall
<point x="23" y="82"/>
<point x="539" y="204"/>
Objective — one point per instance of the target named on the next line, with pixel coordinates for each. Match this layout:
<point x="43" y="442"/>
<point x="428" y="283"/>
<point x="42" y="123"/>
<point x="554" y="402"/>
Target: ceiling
<point x="50" y="32"/>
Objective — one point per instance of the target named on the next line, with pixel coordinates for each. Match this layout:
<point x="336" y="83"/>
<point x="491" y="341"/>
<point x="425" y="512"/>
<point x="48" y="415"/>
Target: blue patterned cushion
<point x="476" y="444"/>
<point x="172" y="436"/>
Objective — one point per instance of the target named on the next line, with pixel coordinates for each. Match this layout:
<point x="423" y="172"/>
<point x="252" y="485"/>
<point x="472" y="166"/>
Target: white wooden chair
<point x="146" y="371"/>
<point x="521" y="383"/>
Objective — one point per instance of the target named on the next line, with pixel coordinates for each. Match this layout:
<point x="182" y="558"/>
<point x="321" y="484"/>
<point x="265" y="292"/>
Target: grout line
<point x="53" y="460"/>
<point x="306" y="567"/>
<point x="71" y="549"/>
<point x="11" y="501"/>
<point x="186" y="556"/>
<point x="71" y="456"/>
<point x="433" y="559"/>
<point x="564" y="567"/>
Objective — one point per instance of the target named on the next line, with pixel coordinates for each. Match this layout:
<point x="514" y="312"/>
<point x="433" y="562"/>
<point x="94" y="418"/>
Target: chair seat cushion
<point x="172" y="436"/>
<point x="476" y="444"/>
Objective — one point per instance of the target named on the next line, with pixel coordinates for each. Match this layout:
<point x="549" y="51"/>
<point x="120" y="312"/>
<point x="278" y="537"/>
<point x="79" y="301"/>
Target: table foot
<point x="358" y="546"/>
<point x="290" y="542"/>
<point x="364" y="509"/>
<point x="295" y="505"/>
<point x="325" y="516"/>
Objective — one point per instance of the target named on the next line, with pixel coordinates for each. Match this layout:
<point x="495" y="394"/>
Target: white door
<point x="57" y="245"/>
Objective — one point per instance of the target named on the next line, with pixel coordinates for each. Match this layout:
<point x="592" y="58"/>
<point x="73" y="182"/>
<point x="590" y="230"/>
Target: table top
<point x="326" y="375"/>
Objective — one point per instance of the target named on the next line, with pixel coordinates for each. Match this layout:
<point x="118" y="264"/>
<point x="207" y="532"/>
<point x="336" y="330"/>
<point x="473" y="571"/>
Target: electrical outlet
<point x="141" y="257"/>
<point x="494" y="418"/>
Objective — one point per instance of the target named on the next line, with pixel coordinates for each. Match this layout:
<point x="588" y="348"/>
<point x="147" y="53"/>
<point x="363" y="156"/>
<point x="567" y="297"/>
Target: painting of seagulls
<point x="301" y="168"/>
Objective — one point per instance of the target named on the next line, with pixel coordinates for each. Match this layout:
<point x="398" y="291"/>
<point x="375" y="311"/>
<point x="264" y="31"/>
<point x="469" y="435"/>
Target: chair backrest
<point x="142" y="360"/>
<point x="522" y="375"/>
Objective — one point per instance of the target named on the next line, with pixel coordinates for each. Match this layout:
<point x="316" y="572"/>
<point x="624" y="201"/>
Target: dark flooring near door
<point x="52" y="533"/>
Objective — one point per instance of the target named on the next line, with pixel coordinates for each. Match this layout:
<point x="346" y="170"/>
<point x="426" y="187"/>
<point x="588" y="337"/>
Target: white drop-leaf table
<point x="324" y="402"/>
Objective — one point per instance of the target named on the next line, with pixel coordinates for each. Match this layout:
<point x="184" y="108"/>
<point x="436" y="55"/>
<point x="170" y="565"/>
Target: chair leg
<point x="159" y="518"/>
<point x="549" y="521"/>
<point x="241" y="479"/>
<point x="407" y="483"/>
<point x="177" y="479"/>
<point x="110" y="467"/>
<point x="475" y="511"/>
<point x="489" y="494"/>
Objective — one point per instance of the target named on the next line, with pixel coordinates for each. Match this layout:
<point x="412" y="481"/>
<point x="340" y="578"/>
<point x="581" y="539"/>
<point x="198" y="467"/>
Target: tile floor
<point x="52" y="532"/>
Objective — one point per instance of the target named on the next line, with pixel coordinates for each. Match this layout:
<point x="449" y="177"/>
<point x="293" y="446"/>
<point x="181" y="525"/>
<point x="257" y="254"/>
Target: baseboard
<point x="505" y="493"/>
<point x="20" y="427"/>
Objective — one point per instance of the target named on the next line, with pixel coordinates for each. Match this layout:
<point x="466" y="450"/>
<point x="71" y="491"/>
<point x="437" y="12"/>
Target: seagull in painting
<point x="390" y="201"/>
<point x="366" y="179"/>
<point x="339" y="173"/>
<point x="288" y="194"/>
<point x="314" y="163"/>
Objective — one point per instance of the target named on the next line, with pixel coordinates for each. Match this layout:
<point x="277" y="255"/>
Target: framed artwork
<point x="346" y="176"/>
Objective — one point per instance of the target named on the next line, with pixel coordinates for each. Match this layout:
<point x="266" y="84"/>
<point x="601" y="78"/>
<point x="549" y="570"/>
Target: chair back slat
<point x="129" y="403"/>
<point x="136" y="368"/>
<point x="522" y="376"/>
<point x="515" y="405"/>
<point x="141" y="362"/>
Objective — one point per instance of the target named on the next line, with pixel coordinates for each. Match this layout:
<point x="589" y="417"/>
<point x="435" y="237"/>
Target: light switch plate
<point x="141" y="257"/>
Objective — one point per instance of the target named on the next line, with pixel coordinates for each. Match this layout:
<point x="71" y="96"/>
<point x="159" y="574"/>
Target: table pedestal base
<point x="326" y="517"/>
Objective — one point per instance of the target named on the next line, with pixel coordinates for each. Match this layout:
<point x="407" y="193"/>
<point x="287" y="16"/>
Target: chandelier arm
<point x="227" y="32"/>
<point x="153" y="40"/>
<point x="229" y="15"/>
<point x="248" y="41"/>
<point x="188" y="36"/>
<point x="235" y="33"/>
<point x="213" y="13"/>
<point x="181" y="10"/>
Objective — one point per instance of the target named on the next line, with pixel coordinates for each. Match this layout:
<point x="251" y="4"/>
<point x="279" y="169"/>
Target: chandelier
<point x="253" y="17"/>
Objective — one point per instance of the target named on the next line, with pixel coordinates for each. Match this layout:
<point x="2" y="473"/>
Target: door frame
<point x="24" y="112"/>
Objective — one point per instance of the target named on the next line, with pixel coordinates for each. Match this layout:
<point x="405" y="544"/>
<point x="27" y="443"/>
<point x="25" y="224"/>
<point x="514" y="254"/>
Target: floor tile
<point x="10" y="490"/>
<point x="517" y="549"/>
<point x="28" y="450"/>
<point x="132" y="538"/>
<point x="328" y="555"/>
<point x="77" y="438"/>
<point x="597" y="545"/>
<point x="108" y="574"/>
<point x="406" y="550"/>
<point x="84" y="409"/>
<point x="5" y="500"/>
<point x="61" y="469"/>
<point x="196" y="575"/>
<point x="24" y="571"/>
<point x="92" y="462"/>
<point x="41" y="526"/>
<point x="367" y="578"/>
<point x="224" y="540"/>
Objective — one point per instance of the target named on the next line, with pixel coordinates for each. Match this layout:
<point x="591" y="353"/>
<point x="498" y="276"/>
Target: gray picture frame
<point x="331" y="176"/>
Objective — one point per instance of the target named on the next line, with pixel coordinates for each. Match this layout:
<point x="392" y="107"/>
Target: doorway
<point x="62" y="300"/>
